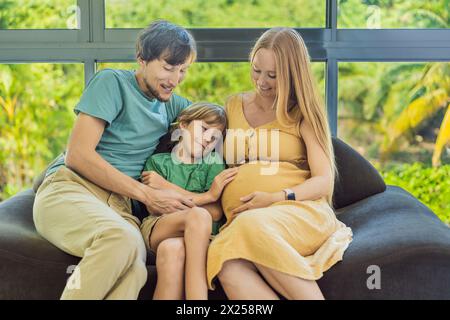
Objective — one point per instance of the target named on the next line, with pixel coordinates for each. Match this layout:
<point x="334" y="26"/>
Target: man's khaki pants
<point x="96" y="225"/>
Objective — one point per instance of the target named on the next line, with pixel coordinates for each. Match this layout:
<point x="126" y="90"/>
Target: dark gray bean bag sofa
<point x="393" y="233"/>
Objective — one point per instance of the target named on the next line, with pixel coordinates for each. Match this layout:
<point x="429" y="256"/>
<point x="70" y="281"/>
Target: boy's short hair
<point x="168" y="41"/>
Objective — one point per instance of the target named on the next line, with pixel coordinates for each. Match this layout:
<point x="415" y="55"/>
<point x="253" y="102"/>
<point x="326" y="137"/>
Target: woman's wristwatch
<point x="289" y="194"/>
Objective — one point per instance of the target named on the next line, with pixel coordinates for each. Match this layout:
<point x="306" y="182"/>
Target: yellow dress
<point x="300" y="238"/>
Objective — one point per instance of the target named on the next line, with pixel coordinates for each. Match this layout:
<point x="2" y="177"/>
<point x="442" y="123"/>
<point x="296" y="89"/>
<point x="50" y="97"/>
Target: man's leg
<point x="125" y="287"/>
<point x="79" y="223"/>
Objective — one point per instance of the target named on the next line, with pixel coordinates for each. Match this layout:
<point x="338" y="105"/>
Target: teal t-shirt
<point x="196" y="178"/>
<point x="134" y="122"/>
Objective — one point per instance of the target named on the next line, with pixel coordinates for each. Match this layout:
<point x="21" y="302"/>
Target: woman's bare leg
<point x="292" y="288"/>
<point x="272" y="281"/>
<point x="241" y="281"/>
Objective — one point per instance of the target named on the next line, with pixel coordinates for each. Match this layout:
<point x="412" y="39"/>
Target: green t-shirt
<point x="134" y="122"/>
<point x="195" y="178"/>
<point x="191" y="177"/>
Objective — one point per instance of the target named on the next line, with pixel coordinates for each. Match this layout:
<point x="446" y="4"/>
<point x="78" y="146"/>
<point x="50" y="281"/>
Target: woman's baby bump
<point x="261" y="176"/>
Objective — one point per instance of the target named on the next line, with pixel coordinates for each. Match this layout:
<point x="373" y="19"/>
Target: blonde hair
<point x="296" y="85"/>
<point x="209" y="112"/>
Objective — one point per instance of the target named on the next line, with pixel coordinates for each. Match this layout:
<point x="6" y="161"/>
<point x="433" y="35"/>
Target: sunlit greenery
<point x="217" y="13"/>
<point x="38" y="14"/>
<point x="396" y="114"/>
<point x="430" y="185"/>
<point x="394" y="111"/>
<point x="36" y="102"/>
<point x="381" y="14"/>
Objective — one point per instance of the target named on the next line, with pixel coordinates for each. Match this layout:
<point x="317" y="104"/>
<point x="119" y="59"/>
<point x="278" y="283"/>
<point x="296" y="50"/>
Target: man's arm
<point x="82" y="157"/>
<point x="204" y="200"/>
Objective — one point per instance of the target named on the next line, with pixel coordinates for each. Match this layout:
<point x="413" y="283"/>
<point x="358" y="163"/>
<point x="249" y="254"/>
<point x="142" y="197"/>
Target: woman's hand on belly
<point x="258" y="199"/>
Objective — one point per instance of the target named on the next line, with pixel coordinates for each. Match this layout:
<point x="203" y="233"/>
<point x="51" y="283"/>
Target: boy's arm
<point x="155" y="180"/>
<point x="199" y="199"/>
<point x="214" y="209"/>
<point x="202" y="200"/>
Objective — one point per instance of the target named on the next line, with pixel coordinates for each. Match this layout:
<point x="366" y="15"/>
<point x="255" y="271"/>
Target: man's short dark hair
<point x="168" y="41"/>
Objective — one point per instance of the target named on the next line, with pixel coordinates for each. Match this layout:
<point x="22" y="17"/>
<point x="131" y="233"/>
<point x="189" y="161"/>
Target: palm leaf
<point x="442" y="139"/>
<point x="9" y="105"/>
<point x="412" y="116"/>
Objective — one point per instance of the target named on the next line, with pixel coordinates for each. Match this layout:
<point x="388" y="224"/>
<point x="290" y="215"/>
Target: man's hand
<point x="165" y="201"/>
<point x="154" y="180"/>
<point x="220" y="181"/>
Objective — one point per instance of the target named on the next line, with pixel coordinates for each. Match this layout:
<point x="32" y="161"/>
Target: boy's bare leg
<point x="195" y="225"/>
<point x="196" y="240"/>
<point x="167" y="241"/>
<point x="170" y="258"/>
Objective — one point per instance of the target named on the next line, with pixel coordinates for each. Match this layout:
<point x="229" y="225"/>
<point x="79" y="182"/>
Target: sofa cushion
<point x="357" y="179"/>
<point x="396" y="233"/>
<point x="29" y="265"/>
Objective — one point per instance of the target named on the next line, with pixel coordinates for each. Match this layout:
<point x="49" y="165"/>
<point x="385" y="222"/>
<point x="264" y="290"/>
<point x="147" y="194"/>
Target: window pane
<point x="36" y="102"/>
<point x="216" y="81"/>
<point x="397" y="115"/>
<point x="38" y="14"/>
<point x="384" y="14"/>
<point x="218" y="13"/>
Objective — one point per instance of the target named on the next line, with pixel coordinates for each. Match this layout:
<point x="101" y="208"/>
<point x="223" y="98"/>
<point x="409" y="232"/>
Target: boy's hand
<point x="220" y="181"/>
<point x="154" y="180"/>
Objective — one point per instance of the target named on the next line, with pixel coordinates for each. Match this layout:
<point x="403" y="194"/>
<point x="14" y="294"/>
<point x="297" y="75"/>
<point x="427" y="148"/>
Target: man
<point x="83" y="206"/>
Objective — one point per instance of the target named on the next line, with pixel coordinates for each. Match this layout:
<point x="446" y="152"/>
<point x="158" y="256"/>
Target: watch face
<point x="291" y="195"/>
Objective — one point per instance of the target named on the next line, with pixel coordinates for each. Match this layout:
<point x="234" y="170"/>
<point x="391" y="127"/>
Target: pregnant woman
<point x="281" y="232"/>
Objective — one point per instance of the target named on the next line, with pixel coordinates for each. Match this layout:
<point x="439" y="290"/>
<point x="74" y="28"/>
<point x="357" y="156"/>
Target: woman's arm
<point x="316" y="187"/>
<point x="320" y="183"/>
